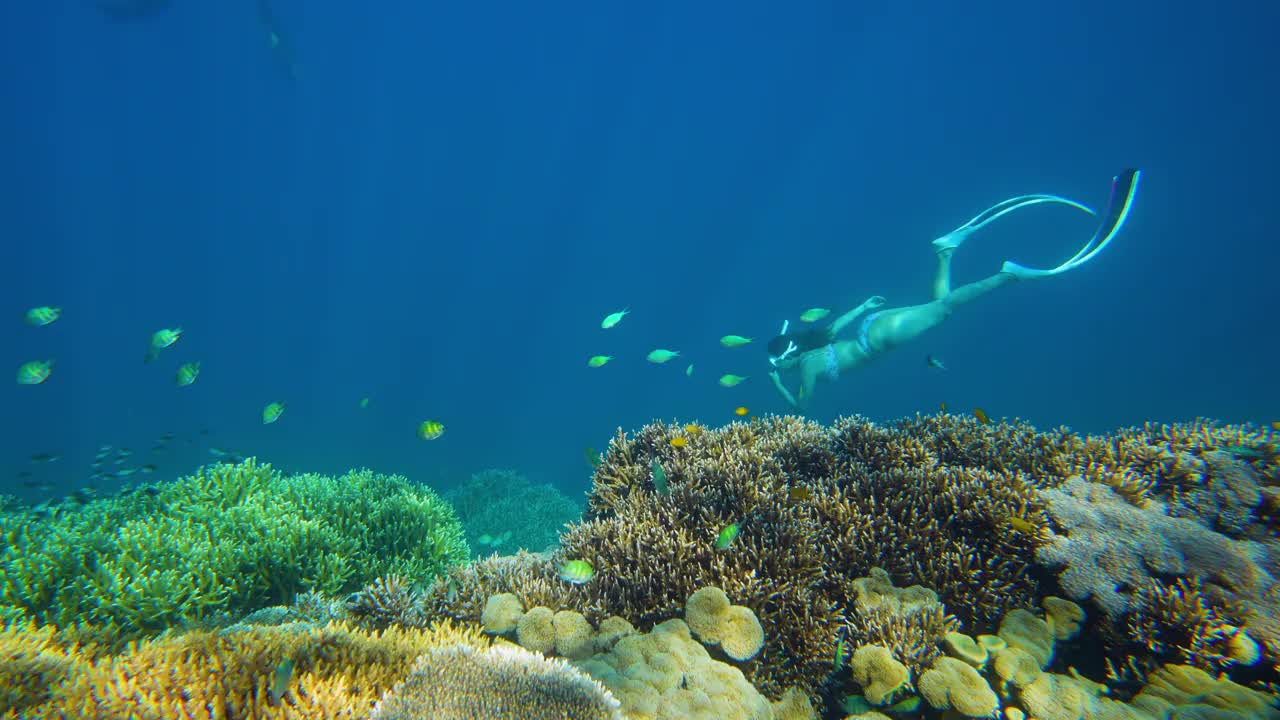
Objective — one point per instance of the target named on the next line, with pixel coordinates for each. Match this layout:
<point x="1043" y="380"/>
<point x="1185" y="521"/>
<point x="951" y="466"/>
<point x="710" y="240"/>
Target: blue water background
<point x="442" y="207"/>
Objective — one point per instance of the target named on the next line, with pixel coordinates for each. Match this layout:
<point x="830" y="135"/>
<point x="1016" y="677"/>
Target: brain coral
<point x="817" y="507"/>
<point x="226" y="540"/>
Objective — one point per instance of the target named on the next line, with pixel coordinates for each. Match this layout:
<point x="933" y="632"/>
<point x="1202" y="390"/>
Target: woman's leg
<point x="942" y="278"/>
<point x="895" y="327"/>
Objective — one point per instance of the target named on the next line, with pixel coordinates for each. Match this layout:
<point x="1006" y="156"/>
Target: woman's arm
<point x="777" y="382"/>
<point x="843" y="321"/>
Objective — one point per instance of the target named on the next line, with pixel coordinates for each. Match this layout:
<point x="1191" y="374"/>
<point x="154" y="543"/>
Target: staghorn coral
<point x="1178" y="623"/>
<point x="386" y="601"/>
<point x="504" y="508"/>
<point x="909" y="621"/>
<point x="501" y="682"/>
<point x="337" y="672"/>
<point x="818" y="508"/>
<point x="226" y="540"/>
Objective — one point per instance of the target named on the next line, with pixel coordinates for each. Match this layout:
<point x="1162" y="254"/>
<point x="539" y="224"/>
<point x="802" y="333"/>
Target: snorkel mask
<point x="791" y="346"/>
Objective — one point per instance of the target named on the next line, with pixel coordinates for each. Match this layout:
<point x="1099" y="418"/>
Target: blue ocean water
<point x="441" y="204"/>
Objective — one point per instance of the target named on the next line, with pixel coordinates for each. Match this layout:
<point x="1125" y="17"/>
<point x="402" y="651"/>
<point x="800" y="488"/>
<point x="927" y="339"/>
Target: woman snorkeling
<point x="823" y="354"/>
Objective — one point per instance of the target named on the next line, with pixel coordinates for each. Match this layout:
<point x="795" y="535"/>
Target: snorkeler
<point x="821" y="354"/>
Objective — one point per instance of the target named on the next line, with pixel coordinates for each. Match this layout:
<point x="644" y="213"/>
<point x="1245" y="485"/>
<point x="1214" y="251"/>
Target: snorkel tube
<point x="791" y="345"/>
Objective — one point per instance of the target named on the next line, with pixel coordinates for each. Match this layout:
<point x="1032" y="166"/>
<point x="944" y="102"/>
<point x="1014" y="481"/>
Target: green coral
<point x="226" y="540"/>
<point x="503" y="512"/>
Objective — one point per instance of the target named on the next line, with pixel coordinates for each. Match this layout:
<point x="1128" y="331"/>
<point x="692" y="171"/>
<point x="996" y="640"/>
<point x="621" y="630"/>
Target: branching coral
<point x="333" y="672"/>
<point x="816" y="508"/>
<point x="226" y="540"/>
<point x="502" y="511"/>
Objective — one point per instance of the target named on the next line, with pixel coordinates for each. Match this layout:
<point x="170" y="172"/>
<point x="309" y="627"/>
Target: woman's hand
<point x="874" y="302"/>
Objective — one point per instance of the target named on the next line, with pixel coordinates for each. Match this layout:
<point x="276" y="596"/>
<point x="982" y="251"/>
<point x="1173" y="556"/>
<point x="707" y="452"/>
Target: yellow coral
<point x="1182" y="685"/>
<point x="735" y="628"/>
<point x="536" y="630"/>
<point x="667" y="675"/>
<point x="703" y="610"/>
<point x="1022" y="629"/>
<point x="1016" y="667"/>
<point x="574" y="635"/>
<point x="956" y="685"/>
<point x="1063" y="616"/>
<point x="502" y="613"/>
<point x="965" y="648"/>
<point x="611" y="630"/>
<point x="336" y="671"/>
<point x="878" y="673"/>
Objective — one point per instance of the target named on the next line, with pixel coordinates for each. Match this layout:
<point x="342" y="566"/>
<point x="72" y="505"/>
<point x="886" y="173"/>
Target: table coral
<point x="498" y="683"/>
<point x="1106" y="545"/>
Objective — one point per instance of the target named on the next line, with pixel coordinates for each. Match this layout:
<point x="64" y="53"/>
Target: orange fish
<point x="679" y="442"/>
<point x="982" y="416"/>
<point x="741" y="411"/>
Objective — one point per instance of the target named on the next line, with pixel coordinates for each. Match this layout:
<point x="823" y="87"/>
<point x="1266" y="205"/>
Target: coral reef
<point x="667" y="675"/>
<point x="503" y="512"/>
<point x="234" y="674"/>
<point x="224" y="541"/>
<point x="501" y="682"/>
<point x="817" y="508"/>
<point x="1109" y="548"/>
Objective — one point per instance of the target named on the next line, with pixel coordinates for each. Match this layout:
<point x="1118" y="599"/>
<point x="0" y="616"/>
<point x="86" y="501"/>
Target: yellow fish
<point x="741" y="411"/>
<point x="729" y="380"/>
<point x="34" y="372"/>
<point x="733" y="341"/>
<point x="660" y="355"/>
<point x="576" y="572"/>
<point x="598" y="360"/>
<point x="187" y="374"/>
<point x="272" y="412"/>
<point x="981" y="415"/>
<point x="430" y="429"/>
<point x="613" y="319"/>
<point x="693" y="428"/>
<point x="1275" y="425"/>
<point x="679" y="442"/>
<point x="814" y="314"/>
<point x="43" y="315"/>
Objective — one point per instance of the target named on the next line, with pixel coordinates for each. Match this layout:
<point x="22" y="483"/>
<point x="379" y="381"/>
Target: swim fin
<point x="1124" y="187"/>
<point x="956" y="237"/>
